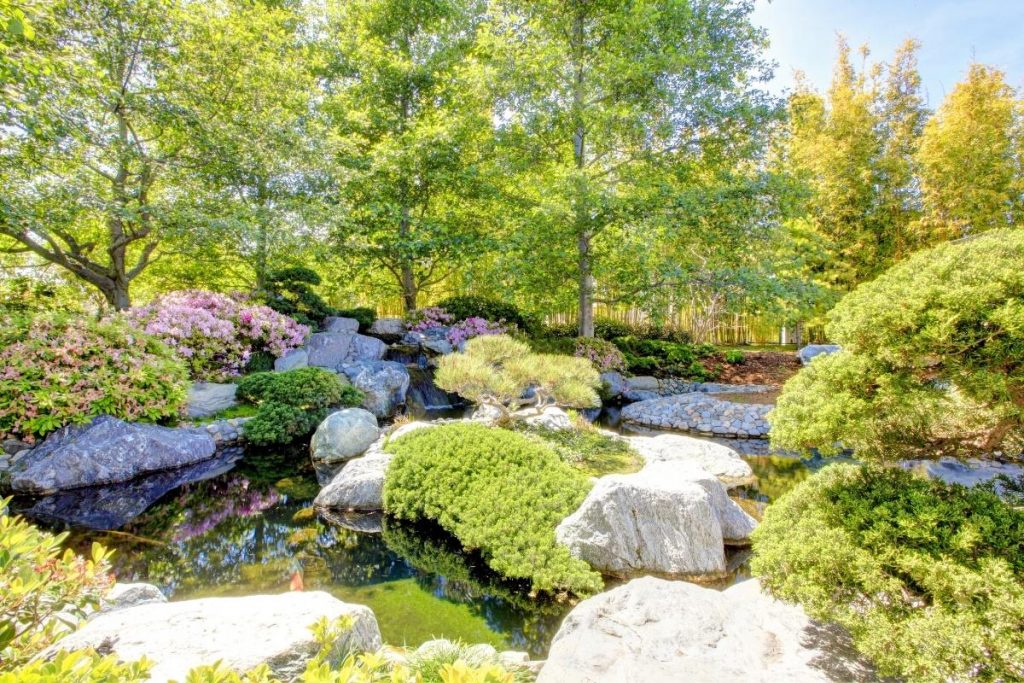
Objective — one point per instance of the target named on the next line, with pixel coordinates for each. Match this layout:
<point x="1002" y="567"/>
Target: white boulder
<point x="241" y="633"/>
<point x="719" y="460"/>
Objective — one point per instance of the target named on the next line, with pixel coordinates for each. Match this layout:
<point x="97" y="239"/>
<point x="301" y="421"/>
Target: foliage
<point x="609" y="329"/>
<point x="734" y="356"/>
<point x="44" y="592"/>
<point x="60" y="369"/>
<point x="587" y="449"/>
<point x="926" y="576"/>
<point x="932" y="360"/>
<point x="665" y="359"/>
<point x="474" y="327"/>
<point x="81" y="666"/>
<point x="291" y="404"/>
<point x="498" y="370"/>
<point x="467" y="306"/>
<point x="364" y="315"/>
<point x="605" y="356"/>
<point x="429" y="318"/>
<point x="217" y="334"/>
<point x="289" y="291"/>
<point x="496" y="491"/>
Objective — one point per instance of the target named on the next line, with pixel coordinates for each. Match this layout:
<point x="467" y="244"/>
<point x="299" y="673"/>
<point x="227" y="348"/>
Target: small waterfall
<point x="425" y="399"/>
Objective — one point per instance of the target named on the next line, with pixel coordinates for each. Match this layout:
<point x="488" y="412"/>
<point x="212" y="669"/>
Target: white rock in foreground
<point x="651" y="630"/>
<point x="719" y="460"/>
<point x="669" y="518"/>
<point x="240" y="632"/>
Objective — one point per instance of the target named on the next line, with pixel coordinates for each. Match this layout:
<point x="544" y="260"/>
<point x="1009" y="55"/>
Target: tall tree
<point x="970" y="159"/>
<point x="602" y="99"/>
<point x="412" y="127"/>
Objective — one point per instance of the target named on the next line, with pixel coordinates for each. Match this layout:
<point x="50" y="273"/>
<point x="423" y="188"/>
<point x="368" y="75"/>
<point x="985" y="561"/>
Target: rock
<point x="123" y="595"/>
<point x="434" y="340"/>
<point x="812" y="350"/>
<point x="384" y="383"/>
<point x="670" y="518"/>
<point x="13" y="446"/>
<point x="344" y="325"/>
<point x="701" y="413"/>
<point x="331" y="350"/>
<point x="361" y="522"/>
<point x="390" y="330"/>
<point x="344" y="435"/>
<point x="358" y="486"/>
<point x="642" y="383"/>
<point x="719" y="460"/>
<point x="487" y="413"/>
<point x="615" y="384"/>
<point x="551" y="417"/>
<point x="208" y="398"/>
<point x="655" y="630"/>
<point x="407" y="428"/>
<point x="241" y="633"/>
<point x="106" y="451"/>
<point x="293" y="360"/>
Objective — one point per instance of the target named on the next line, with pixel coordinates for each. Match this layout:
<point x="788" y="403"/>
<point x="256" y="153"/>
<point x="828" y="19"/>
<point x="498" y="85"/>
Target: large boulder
<point x="811" y="351"/>
<point x="358" y="486"/>
<point x="670" y="518"/>
<point x="331" y="350"/>
<point x="241" y="633"/>
<point x="655" y="630"/>
<point x="719" y="460"/>
<point x="124" y="595"/>
<point x="614" y="385"/>
<point x="390" y="330"/>
<point x="433" y="340"/>
<point x="106" y="451"/>
<point x="343" y="325"/>
<point x="344" y="435"/>
<point x="642" y="388"/>
<point x="209" y="398"/>
<point x="293" y="360"/>
<point x="384" y="384"/>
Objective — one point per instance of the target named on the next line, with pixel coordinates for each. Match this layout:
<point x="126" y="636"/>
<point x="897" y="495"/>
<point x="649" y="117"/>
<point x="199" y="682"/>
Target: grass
<point x="586" y="448"/>
<point x="240" y="410"/>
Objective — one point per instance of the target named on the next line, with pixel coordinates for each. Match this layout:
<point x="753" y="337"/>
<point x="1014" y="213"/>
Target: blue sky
<point x="952" y="34"/>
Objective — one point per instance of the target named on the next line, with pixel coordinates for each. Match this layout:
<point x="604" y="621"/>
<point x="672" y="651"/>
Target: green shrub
<point x="364" y="315"/>
<point x="664" y="358"/>
<point x="927" y="577"/>
<point x="59" y="369"/>
<point x="462" y="307"/>
<point x="734" y="357"/>
<point x="290" y="291"/>
<point x="609" y="328"/>
<point x="499" y="493"/>
<point x="497" y="370"/>
<point x="291" y="404"/>
<point x="932" y="361"/>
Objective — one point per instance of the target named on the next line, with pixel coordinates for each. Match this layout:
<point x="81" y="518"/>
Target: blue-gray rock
<point x="807" y="353"/>
<point x="106" y="451"/>
<point x="293" y="360"/>
<point x="344" y="435"/>
<point x="434" y="340"/>
<point x="344" y="325"/>
<point x="209" y="398"/>
<point x="614" y="383"/>
<point x="389" y="329"/>
<point x="384" y="384"/>
<point x="331" y="350"/>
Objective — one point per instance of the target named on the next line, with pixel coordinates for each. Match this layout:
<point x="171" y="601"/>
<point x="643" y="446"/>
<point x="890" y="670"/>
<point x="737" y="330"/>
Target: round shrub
<point x="734" y="357"/>
<point x="499" y="493"/>
<point x="289" y="291"/>
<point x="463" y="307"/>
<point x="291" y="404"/>
<point x="60" y="369"/>
<point x="927" y="577"/>
<point x="605" y="356"/>
<point x="217" y="334"/>
<point x="932" y="361"/>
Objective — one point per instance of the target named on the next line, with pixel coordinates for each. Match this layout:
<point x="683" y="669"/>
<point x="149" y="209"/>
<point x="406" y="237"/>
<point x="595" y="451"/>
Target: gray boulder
<point x="106" y="451"/>
<point x="123" y="595"/>
<point x="384" y="383"/>
<point x="655" y="630"/>
<point x="551" y="417"/>
<point x="333" y="349"/>
<point x="208" y="398"/>
<point x="344" y="325"/>
<point x="389" y="329"/>
<point x="358" y="486"/>
<point x="434" y="340"/>
<point x="670" y="518"/>
<point x="242" y="633"/>
<point x="811" y="351"/>
<point x="293" y="360"/>
<point x="615" y="384"/>
<point x="719" y="460"/>
<point x="344" y="435"/>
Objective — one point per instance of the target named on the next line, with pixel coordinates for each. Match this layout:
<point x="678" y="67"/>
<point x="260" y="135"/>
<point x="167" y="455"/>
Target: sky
<point x="952" y="33"/>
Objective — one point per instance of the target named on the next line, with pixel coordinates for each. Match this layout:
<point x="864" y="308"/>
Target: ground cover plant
<point x="66" y="369"/>
<point x="500" y="493"/>
<point x="665" y="359"/>
<point x="927" y="577"/>
<point x="586" y="448"/>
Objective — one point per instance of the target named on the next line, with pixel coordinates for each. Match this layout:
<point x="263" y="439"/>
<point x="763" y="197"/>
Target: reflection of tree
<point x="776" y="475"/>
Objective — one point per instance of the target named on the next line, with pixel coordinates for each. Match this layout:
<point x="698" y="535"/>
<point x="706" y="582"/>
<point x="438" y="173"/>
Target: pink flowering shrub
<point x="216" y="334"/>
<point x="428" y="318"/>
<point x="475" y="327"/>
<point x="605" y="356"/>
<point x="61" y="369"/>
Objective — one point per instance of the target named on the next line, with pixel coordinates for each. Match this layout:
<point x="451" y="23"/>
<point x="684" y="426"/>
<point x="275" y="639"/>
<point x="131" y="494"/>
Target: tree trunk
<point x="409" y="289"/>
<point x="798" y="334"/>
<point x="582" y="216"/>
<point x="586" y="285"/>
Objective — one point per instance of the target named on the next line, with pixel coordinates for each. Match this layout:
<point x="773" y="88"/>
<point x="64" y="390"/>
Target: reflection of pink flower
<point x="228" y="499"/>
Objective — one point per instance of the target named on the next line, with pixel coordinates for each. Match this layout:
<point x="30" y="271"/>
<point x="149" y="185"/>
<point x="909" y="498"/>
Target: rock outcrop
<point x="241" y="633"/>
<point x="332" y="350"/>
<point x="391" y="330"/>
<point x="655" y="630"/>
<point x="293" y="360"/>
<point x="384" y="383"/>
<point x="209" y="398"/>
<point x="670" y="518"/>
<point x="344" y="435"/>
<point x="719" y="460"/>
<point x="106" y="451"/>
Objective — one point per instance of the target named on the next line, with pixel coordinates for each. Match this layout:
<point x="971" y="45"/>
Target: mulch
<point x="758" y="367"/>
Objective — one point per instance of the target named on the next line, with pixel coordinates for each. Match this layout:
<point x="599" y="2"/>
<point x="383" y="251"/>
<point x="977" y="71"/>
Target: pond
<point x="247" y="527"/>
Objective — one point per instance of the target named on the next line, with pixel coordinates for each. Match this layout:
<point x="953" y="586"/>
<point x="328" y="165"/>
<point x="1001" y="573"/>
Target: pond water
<point x="247" y="527"/>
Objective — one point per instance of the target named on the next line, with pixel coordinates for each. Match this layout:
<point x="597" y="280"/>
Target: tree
<point x="932" y="361"/>
<point x="411" y="120"/>
<point x="600" y="100"/>
<point x="970" y="160"/>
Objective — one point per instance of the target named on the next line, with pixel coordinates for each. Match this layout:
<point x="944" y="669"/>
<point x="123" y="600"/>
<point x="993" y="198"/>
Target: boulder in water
<point x="344" y="435"/>
<point x="358" y="486"/>
<point x="719" y="460"/>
